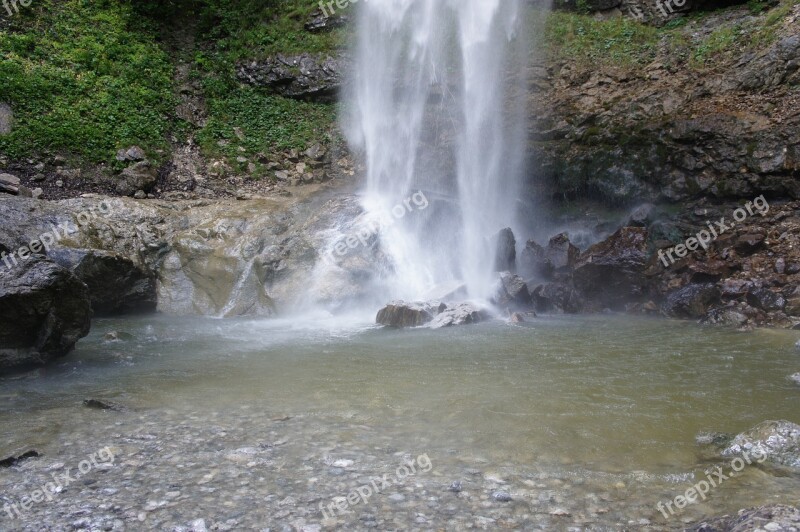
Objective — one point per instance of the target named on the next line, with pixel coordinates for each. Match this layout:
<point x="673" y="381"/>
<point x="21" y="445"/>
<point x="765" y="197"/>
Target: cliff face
<point x="708" y="109"/>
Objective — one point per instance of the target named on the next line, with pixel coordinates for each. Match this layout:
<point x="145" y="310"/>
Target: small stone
<point x="797" y="345"/>
<point x="501" y="496"/>
<point x="39" y="178"/>
<point x="795" y="378"/>
<point x="8" y="179"/>
<point x="282" y="175"/>
<point x="140" y="194"/>
<point x="397" y="497"/>
<point x="241" y="159"/>
<point x="559" y="512"/>
<point x="780" y="266"/>
<point x="198" y="525"/>
<point x="455" y="487"/>
<point x="37" y="193"/>
<point x="59" y="183"/>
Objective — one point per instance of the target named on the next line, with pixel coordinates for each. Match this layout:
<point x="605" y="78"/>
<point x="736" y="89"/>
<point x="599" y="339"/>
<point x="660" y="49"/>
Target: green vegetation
<point x="237" y="30"/>
<point x="582" y="38"/>
<point x="85" y="78"/>
<point x="624" y="42"/>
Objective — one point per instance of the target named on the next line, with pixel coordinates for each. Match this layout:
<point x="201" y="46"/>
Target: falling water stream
<point x="433" y="102"/>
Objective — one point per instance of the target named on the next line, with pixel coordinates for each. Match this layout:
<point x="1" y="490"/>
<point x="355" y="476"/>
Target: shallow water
<point x="585" y="422"/>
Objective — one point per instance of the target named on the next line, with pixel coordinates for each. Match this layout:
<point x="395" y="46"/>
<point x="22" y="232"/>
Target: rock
<point x="779" y="441"/>
<point x="501" y="496"/>
<point x="714" y="439"/>
<point x="97" y="404"/>
<point x="316" y="77"/>
<point x="505" y="251"/>
<point x="455" y="487"/>
<point x="557" y="297"/>
<point x="748" y="244"/>
<point x="561" y="253"/>
<point x="6" y="119"/>
<point x="134" y="153"/>
<point x="642" y="215"/>
<point x="797" y="345"/>
<point x="795" y="378"/>
<point x="459" y="314"/>
<point x="139" y="176"/>
<point x="117" y="336"/>
<point x="512" y="291"/>
<point x="533" y="262"/>
<point x="320" y="22"/>
<point x="768" y="518"/>
<point x="692" y="301"/>
<point x="44" y="310"/>
<point x="11" y="461"/>
<point x="516" y="317"/>
<point x="116" y="284"/>
<point x="400" y="314"/>
<point x="766" y="299"/>
<point x="37" y="193"/>
<point x="9" y="184"/>
<point x="611" y="273"/>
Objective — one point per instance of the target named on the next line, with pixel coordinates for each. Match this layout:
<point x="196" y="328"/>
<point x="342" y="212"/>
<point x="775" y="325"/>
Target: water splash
<point x="434" y="107"/>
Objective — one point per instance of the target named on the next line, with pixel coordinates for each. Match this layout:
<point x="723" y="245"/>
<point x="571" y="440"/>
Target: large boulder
<point x="139" y="176"/>
<point x="775" y="517"/>
<point x="44" y="310"/>
<point x="557" y="297"/>
<point x="401" y="314"/>
<point x="116" y="284"/>
<point x="611" y="273"/>
<point x="778" y="441"/>
<point x="691" y="301"/>
<point x="459" y="314"/>
<point x="538" y="262"/>
<point x="512" y="291"/>
<point x="316" y="77"/>
<point x="505" y="251"/>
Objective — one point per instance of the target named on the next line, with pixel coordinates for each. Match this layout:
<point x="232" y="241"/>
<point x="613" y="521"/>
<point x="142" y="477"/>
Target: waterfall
<point x="434" y="108"/>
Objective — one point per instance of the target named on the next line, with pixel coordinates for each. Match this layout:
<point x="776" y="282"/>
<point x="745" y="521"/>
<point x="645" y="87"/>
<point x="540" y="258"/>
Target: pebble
<point x="501" y="496"/>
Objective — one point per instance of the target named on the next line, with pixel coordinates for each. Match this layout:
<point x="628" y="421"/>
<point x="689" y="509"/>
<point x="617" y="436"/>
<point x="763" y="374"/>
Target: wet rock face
<point x="560" y="255"/>
<point x="611" y="272"/>
<point x="512" y="292"/>
<point x="557" y="297"/>
<point x="691" y="302"/>
<point x="400" y="314"/>
<point x="316" y="77"/>
<point x="505" y="251"/>
<point x="44" y="311"/>
<point x="459" y="314"/>
<point x="116" y="284"/>
<point x="320" y="22"/>
<point x="778" y="441"/>
<point x="775" y="517"/>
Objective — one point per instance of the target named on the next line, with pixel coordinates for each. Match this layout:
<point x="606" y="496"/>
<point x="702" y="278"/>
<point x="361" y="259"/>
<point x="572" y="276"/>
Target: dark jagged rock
<point x="505" y="251"/>
<point x="44" y="310"/>
<point x="320" y="22"/>
<point x="139" y="176"/>
<point x="316" y="77"/>
<point x="512" y="291"/>
<point x="692" y="301"/>
<point x="611" y="273"/>
<point x="784" y="518"/>
<point x="401" y="314"/>
<point x="116" y="284"/>
<point x="97" y="404"/>
<point x="533" y="262"/>
<point x="560" y="255"/>
<point x="766" y="299"/>
<point x="557" y="297"/>
<point x="11" y="461"/>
